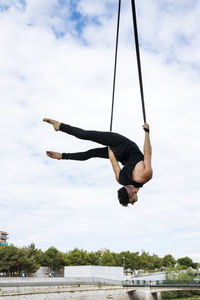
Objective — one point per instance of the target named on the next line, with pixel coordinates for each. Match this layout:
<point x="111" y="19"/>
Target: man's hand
<point x="146" y="126"/>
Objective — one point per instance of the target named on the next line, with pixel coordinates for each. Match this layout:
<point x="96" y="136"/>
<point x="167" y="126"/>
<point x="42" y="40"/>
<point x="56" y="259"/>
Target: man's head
<point x="128" y="194"/>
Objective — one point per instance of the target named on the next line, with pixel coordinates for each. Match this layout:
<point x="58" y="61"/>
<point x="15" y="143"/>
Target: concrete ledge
<point x="63" y="292"/>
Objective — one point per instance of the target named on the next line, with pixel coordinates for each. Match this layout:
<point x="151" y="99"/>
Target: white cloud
<point x="92" y="8"/>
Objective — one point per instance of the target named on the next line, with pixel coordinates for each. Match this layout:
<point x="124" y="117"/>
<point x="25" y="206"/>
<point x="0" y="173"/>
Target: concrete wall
<point x="115" y="273"/>
<point x="60" y="292"/>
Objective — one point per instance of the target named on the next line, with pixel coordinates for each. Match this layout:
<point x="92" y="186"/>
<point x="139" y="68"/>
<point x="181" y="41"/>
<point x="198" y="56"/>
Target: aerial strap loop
<point x="138" y="61"/>
<point x="115" y="66"/>
<point x="138" y="58"/>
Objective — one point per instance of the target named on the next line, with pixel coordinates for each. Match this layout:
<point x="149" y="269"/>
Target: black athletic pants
<point x="114" y="140"/>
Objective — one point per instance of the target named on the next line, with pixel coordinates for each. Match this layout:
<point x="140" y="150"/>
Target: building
<point x="149" y="276"/>
<point x="103" y="272"/>
<point x="3" y="238"/>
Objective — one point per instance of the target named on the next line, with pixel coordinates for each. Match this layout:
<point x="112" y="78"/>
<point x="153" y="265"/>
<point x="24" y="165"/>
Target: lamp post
<point x="124" y="261"/>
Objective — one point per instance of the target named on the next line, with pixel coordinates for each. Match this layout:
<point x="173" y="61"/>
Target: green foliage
<point x="78" y="257"/>
<point x="108" y="259"/>
<point x="180" y="275"/>
<point x="53" y="259"/>
<point x="181" y="295"/>
<point x="15" y="260"/>
<point x="185" y="262"/>
<point x="168" y="261"/>
<point x="129" y="260"/>
<point x="93" y="258"/>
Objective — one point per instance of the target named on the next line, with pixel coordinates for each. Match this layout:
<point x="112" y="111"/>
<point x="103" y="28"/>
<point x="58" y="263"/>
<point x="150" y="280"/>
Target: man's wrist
<point x="146" y="130"/>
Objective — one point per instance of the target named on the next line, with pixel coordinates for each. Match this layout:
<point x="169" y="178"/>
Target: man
<point x="137" y="168"/>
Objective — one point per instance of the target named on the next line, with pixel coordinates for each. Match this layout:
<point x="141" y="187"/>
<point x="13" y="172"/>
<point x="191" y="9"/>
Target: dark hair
<point x="123" y="196"/>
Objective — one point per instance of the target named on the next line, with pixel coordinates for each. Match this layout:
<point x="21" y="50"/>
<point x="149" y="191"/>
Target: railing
<point x="162" y="283"/>
<point x="64" y="281"/>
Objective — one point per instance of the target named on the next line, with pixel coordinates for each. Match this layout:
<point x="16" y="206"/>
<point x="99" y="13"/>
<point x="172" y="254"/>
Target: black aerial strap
<point x="115" y="67"/>
<point x="138" y="58"/>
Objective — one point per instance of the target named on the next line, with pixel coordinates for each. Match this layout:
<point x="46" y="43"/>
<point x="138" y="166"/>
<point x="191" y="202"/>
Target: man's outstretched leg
<point x="97" y="152"/>
<point x="102" y="137"/>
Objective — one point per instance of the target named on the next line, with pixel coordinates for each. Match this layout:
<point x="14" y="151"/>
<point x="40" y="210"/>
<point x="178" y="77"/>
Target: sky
<point x="56" y="60"/>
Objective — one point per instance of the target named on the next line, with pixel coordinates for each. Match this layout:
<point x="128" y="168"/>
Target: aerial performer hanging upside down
<point x="137" y="168"/>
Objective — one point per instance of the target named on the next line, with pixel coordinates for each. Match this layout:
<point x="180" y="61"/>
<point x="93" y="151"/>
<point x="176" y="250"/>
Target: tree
<point x="93" y="258"/>
<point x="14" y="260"/>
<point x="127" y="259"/>
<point x="76" y="257"/>
<point x="32" y="262"/>
<point x="107" y="259"/>
<point x="9" y="259"/>
<point x="156" y="262"/>
<point x="32" y="251"/>
<point x="168" y="261"/>
<point x="144" y="262"/>
<point x="185" y="262"/>
<point x="3" y="260"/>
<point x="53" y="259"/>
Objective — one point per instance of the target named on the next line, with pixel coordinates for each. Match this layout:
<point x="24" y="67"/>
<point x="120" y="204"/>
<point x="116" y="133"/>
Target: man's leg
<point x="105" y="138"/>
<point x="97" y="152"/>
<point x="101" y="137"/>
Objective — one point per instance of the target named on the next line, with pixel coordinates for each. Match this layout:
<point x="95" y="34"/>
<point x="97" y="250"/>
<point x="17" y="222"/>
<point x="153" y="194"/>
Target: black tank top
<point x="134" y="155"/>
<point x="125" y="175"/>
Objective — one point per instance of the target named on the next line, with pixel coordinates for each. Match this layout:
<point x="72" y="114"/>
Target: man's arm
<point x="114" y="162"/>
<point x="147" y="152"/>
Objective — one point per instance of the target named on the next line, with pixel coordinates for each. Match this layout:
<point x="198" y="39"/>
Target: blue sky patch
<point x="20" y="5"/>
<point x="80" y="20"/>
<point x="176" y="6"/>
<point x="4" y="8"/>
<point x="72" y="19"/>
<point x="183" y="40"/>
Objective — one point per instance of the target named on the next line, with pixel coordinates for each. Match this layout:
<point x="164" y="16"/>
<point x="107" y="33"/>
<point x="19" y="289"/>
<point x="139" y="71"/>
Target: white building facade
<point x="114" y="273"/>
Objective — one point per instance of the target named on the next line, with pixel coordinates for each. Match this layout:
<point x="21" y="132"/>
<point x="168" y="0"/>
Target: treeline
<point x="14" y="260"/>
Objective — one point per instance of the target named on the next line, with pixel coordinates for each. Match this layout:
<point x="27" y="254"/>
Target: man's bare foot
<point x="55" y="155"/>
<point x="55" y="124"/>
